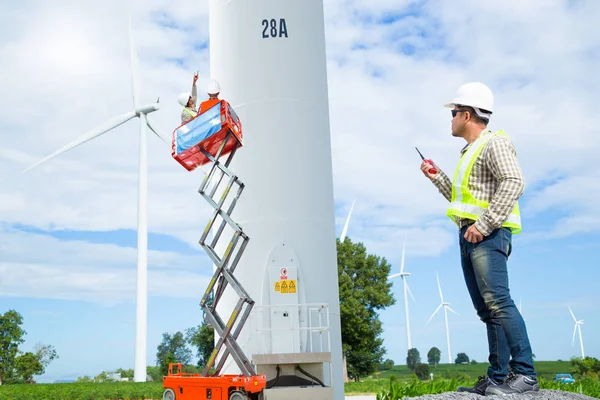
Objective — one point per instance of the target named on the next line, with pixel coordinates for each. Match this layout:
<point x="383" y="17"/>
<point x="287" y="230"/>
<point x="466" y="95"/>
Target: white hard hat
<point x="213" y="87"/>
<point x="183" y="98"/>
<point x="476" y="95"/>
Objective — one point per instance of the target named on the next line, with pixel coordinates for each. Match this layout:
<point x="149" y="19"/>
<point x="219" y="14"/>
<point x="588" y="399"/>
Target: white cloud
<point x="539" y="59"/>
<point x="40" y="266"/>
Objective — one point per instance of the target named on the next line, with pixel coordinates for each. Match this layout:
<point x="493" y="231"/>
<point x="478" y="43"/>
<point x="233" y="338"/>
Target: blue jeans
<point x="486" y="276"/>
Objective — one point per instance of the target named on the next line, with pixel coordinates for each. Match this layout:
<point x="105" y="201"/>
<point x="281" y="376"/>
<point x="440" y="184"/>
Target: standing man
<point x="188" y="102"/>
<point x="483" y="198"/>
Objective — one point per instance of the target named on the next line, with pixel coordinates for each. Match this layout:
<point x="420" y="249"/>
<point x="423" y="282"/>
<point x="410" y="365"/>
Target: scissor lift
<point x="210" y="384"/>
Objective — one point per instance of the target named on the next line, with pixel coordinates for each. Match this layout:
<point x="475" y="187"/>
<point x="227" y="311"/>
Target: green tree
<point x="125" y="373"/>
<point x="27" y="365"/>
<point x="433" y="356"/>
<point x="589" y="366"/>
<point x="45" y="355"/>
<point x="461" y="358"/>
<point x="11" y="336"/>
<point x="422" y="371"/>
<point x="387" y="365"/>
<point x="172" y="349"/>
<point x="164" y="365"/>
<point x="155" y="373"/>
<point x="363" y="289"/>
<point x="202" y="338"/>
<point x="101" y="377"/>
<point x="413" y="358"/>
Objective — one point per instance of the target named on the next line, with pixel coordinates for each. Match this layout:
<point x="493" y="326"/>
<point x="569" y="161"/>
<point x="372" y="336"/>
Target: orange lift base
<point x="185" y="386"/>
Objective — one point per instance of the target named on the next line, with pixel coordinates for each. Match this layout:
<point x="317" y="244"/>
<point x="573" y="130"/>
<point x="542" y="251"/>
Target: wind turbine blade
<point x="89" y="135"/>
<point x="154" y="129"/>
<point x="448" y="307"/>
<point x="572" y="315"/>
<point x="436" y="310"/>
<point x="135" y="84"/>
<point x="403" y="253"/>
<point x="345" y="230"/>
<point x="574" y="332"/>
<point x="410" y="292"/>
<point x="439" y="286"/>
<point x="393" y="276"/>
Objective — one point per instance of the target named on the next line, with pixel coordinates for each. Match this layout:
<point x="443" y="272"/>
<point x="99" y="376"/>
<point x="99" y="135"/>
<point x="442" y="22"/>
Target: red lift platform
<point x="206" y="131"/>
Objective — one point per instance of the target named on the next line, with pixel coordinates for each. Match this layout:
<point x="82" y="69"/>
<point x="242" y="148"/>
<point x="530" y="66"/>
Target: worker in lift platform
<point x="188" y="102"/>
<point x="213" y="96"/>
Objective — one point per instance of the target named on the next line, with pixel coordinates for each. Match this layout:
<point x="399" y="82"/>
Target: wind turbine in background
<point x="345" y="230"/>
<point x="404" y="275"/>
<point x="521" y="309"/>
<point x="140" y="111"/>
<point x="446" y="308"/>
<point x="577" y="328"/>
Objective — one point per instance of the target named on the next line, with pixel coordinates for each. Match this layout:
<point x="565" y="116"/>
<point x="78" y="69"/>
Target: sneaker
<point x="514" y="383"/>
<point x="483" y="382"/>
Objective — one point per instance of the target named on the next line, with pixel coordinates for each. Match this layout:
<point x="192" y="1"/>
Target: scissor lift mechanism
<point x="211" y="383"/>
<point x="225" y="266"/>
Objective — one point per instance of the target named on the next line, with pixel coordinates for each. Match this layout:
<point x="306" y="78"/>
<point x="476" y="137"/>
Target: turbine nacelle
<point x="401" y="274"/>
<point x="147" y="109"/>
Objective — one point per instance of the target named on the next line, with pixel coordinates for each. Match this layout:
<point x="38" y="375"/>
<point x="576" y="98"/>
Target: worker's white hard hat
<point x="476" y="95"/>
<point x="183" y="98"/>
<point x="213" y="87"/>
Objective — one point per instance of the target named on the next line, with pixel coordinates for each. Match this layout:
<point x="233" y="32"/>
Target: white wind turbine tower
<point x="140" y="111"/>
<point x="407" y="290"/>
<point x="577" y="328"/>
<point x="446" y="307"/>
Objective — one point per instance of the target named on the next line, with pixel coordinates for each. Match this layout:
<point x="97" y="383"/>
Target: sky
<point x="68" y="227"/>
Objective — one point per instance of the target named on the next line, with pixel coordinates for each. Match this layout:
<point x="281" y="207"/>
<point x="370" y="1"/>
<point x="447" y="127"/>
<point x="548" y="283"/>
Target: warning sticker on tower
<point x="284" y="287"/>
<point x="283" y="273"/>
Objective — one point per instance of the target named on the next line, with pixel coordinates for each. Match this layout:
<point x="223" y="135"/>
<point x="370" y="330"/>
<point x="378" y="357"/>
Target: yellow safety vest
<point x="191" y="112"/>
<point x="463" y="204"/>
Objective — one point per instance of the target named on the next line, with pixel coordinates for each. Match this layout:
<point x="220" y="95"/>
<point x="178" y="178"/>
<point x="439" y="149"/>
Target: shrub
<point x="422" y="371"/>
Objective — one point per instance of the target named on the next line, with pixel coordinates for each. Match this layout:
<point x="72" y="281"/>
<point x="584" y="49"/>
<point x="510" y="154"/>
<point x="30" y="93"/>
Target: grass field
<point x="393" y="384"/>
<point x="544" y="369"/>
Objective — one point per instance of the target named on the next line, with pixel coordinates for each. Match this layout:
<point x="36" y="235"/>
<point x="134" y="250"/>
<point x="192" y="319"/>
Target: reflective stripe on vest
<point x="191" y="112"/>
<point x="463" y="204"/>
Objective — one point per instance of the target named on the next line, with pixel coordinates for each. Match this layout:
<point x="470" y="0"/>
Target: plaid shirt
<point x="496" y="178"/>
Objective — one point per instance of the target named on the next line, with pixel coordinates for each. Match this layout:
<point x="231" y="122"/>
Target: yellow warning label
<point x="285" y="287"/>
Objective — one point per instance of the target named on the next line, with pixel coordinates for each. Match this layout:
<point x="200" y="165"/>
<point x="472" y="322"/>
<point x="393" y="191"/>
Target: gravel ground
<point x="543" y="394"/>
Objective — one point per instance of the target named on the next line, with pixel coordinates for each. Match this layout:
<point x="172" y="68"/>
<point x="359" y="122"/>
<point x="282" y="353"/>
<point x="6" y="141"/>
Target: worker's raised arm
<point x="195" y="92"/>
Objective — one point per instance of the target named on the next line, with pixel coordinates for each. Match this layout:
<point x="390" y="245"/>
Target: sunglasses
<point x="454" y="112"/>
